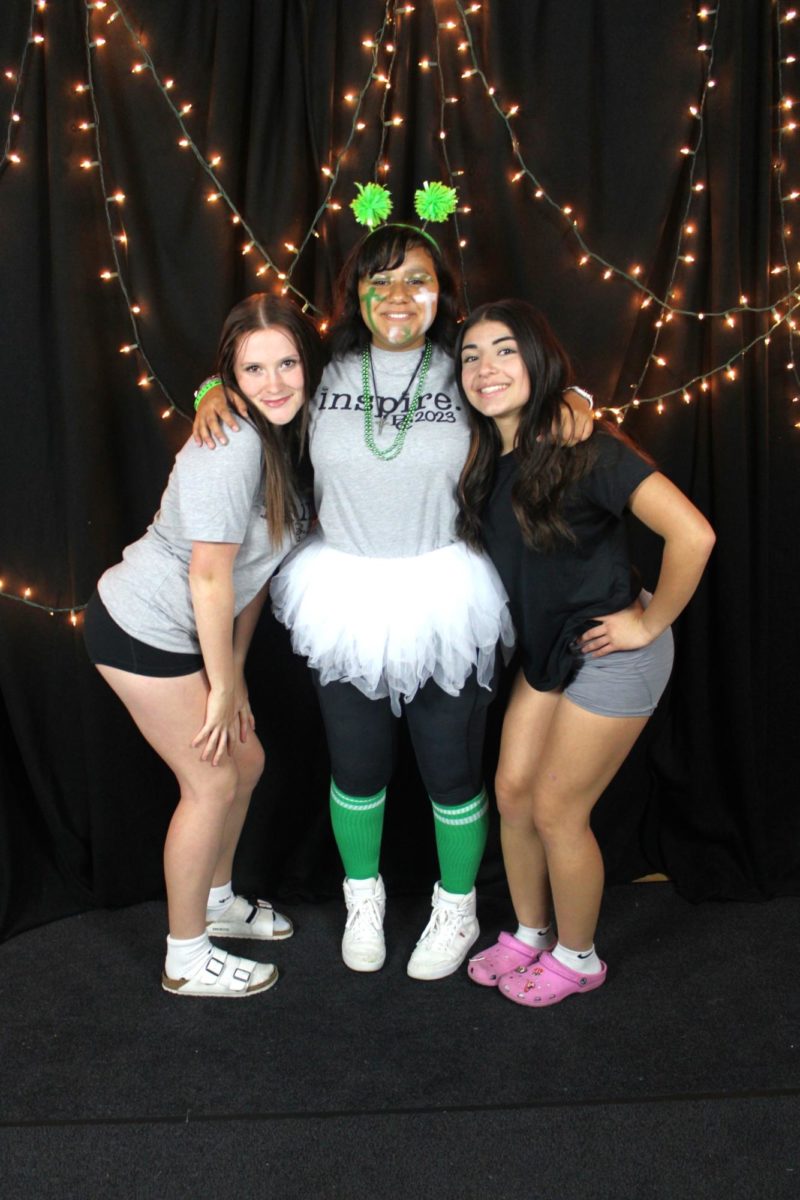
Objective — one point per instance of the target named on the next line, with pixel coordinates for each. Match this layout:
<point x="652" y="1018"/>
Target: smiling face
<point x="494" y="377"/>
<point x="399" y="306"/>
<point x="269" y="372"/>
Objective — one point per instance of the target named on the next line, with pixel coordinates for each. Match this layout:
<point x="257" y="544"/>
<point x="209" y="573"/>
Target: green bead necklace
<point x="394" y="449"/>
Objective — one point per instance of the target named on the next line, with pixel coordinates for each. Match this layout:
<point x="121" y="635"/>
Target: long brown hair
<point x="547" y="465"/>
<point x="283" y="445"/>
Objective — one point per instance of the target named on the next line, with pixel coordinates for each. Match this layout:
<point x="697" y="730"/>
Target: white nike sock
<point x="585" y="962"/>
<point x="219" y="900"/>
<point x="537" y="939"/>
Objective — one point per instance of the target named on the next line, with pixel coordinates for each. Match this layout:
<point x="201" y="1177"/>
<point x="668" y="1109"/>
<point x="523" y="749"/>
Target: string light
<point x="635" y="275"/>
<point x="540" y="192"/>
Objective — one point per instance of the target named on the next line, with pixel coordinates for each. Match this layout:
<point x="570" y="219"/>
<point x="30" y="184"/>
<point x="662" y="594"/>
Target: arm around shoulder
<point x="577" y="420"/>
<point x="213" y="412"/>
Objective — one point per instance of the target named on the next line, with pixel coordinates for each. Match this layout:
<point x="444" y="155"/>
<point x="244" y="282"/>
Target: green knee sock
<point x="357" y="826"/>
<point x="460" y="840"/>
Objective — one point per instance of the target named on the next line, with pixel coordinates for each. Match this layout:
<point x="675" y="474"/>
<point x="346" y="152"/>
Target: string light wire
<point x="565" y="216"/>
<point x="690" y="193"/>
<point x="393" y="14"/>
<point x="188" y="142"/>
<point x="448" y="167"/>
<point x="780" y="17"/>
<point x="376" y="44"/>
<point x="18" y="76"/>
<point x="114" y="239"/>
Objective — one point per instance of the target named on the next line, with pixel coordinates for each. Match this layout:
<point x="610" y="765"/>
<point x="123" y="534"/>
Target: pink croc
<point x="507" y="954"/>
<point x="546" y="982"/>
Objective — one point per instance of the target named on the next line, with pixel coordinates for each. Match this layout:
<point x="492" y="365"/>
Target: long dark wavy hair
<point x="384" y="250"/>
<point x="547" y="466"/>
<point x="283" y="445"/>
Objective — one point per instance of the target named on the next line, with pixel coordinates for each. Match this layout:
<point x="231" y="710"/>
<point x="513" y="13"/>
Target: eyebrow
<point x="408" y="271"/>
<point x="507" y="337"/>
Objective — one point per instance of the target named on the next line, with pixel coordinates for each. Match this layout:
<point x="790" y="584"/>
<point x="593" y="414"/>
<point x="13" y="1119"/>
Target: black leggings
<point x="446" y="733"/>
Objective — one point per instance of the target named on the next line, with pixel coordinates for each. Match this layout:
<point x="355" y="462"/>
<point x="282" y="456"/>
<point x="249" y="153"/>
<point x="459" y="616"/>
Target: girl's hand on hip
<point x="623" y="630"/>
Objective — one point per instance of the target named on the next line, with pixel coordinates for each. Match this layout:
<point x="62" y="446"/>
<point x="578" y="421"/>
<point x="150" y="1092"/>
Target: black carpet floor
<point x="679" y="1078"/>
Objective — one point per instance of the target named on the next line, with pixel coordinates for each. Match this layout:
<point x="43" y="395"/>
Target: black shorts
<point x="110" y="646"/>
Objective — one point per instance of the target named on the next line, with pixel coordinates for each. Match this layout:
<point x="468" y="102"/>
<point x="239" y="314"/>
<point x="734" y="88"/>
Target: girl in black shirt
<point x="595" y="654"/>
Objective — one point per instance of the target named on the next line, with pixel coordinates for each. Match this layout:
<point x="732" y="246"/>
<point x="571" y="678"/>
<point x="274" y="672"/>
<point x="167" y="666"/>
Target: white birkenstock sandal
<point x="225" y="975"/>
<point x="243" y="919"/>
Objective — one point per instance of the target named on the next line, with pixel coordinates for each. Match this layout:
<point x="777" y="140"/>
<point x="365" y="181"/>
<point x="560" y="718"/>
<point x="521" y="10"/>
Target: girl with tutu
<point x="392" y="611"/>
<point x="169" y="628"/>
<point x="595" y="653"/>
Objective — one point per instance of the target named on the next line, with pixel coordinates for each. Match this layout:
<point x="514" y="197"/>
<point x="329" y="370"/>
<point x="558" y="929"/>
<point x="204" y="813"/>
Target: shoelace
<point x="444" y="924"/>
<point x="364" y="912"/>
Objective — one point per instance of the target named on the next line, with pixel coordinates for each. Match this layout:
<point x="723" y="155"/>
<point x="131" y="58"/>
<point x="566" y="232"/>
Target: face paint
<point x="398" y="306"/>
<point x="400" y="334"/>
<point x="427" y="300"/>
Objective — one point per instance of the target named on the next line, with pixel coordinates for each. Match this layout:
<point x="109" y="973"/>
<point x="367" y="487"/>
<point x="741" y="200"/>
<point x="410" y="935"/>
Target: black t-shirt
<point x="554" y="595"/>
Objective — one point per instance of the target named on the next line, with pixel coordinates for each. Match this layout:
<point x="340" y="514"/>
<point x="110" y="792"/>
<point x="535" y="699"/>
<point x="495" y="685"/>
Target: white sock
<point x="219" y="900"/>
<point x="453" y="897"/>
<point x="186" y="956"/>
<point x="585" y="962"/>
<point x="363" y="885"/>
<point x="537" y="939"/>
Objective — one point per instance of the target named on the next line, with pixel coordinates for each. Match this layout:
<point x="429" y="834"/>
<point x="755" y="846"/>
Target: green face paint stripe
<point x="368" y="299"/>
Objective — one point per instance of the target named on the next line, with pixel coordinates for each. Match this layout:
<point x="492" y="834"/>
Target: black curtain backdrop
<point x="604" y="87"/>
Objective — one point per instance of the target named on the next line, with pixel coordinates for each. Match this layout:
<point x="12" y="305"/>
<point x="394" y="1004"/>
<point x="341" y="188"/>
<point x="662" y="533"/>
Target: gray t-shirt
<point x="210" y="497"/>
<point x="390" y="509"/>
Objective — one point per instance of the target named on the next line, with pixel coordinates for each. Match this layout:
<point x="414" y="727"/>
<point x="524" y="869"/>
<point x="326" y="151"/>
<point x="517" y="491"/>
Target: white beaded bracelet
<point x="587" y="396"/>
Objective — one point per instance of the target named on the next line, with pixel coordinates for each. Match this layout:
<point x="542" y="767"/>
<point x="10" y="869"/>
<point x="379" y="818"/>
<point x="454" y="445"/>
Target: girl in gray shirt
<point x="170" y="626"/>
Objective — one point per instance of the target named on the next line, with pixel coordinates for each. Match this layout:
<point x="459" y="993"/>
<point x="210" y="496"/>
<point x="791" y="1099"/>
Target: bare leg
<point x="169" y="713"/>
<point x="249" y="757"/>
<point x="581" y="755"/>
<point x="525" y="727"/>
<point x="555" y="761"/>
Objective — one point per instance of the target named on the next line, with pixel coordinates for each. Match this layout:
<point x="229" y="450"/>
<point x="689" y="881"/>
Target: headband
<point x="432" y="202"/>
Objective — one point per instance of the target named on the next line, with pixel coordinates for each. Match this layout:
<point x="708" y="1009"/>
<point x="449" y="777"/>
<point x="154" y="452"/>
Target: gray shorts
<point x="627" y="683"/>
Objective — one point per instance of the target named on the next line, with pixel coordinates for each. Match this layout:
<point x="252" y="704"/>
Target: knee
<point x="250" y="763"/>
<point x="556" y="820"/>
<point x="545" y="817"/>
<point x="217" y="788"/>
<point x="360" y="779"/>
<point x="513" y="795"/>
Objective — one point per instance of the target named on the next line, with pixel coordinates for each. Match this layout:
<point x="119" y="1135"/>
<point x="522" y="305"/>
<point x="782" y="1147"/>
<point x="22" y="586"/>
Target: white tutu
<point x="388" y="625"/>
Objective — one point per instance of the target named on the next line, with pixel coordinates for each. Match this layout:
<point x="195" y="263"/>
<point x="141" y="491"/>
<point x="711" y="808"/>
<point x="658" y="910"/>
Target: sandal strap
<point x="227" y="970"/>
<point x="264" y="907"/>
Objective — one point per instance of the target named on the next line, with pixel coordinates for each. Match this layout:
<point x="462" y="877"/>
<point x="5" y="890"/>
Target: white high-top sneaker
<point x="363" y="945"/>
<point x="447" y="938"/>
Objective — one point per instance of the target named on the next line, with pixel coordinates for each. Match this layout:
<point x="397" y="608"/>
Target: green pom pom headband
<point x="432" y="202"/>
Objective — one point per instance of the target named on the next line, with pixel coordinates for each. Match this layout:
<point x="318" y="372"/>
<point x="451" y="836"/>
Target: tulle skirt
<point x="388" y="625"/>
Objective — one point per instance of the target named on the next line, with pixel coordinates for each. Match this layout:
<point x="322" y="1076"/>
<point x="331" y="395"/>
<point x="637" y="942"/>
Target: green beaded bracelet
<point x="206" y="386"/>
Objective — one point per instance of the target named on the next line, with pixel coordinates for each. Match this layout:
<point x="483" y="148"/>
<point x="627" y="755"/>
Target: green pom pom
<point x="435" y="201"/>
<point x="372" y="204"/>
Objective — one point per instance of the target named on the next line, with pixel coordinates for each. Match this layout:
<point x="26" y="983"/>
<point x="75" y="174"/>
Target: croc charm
<point x="432" y="202"/>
